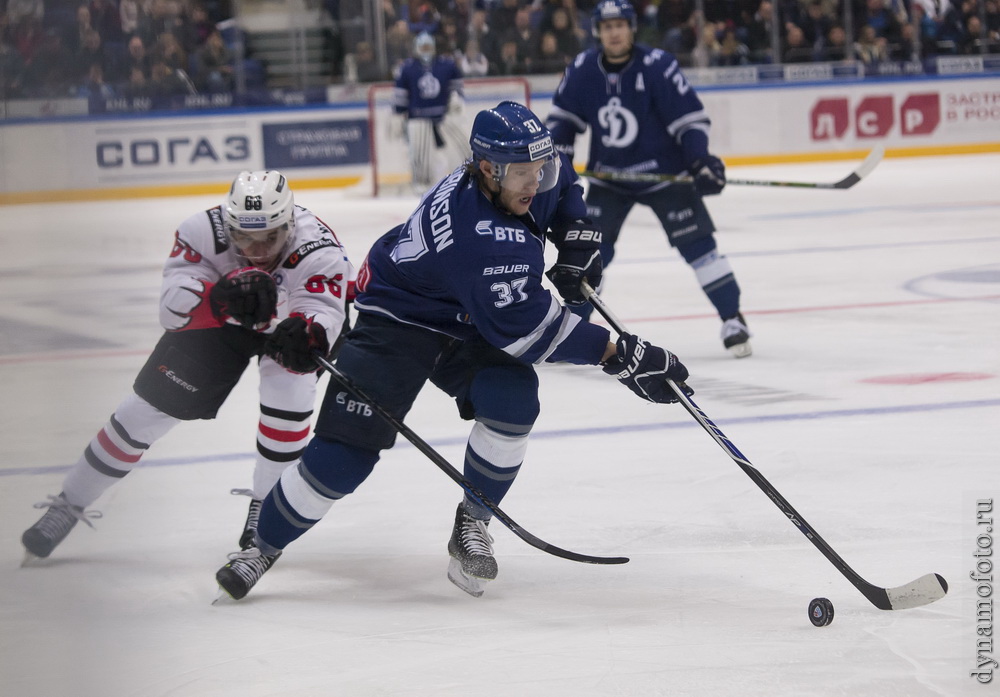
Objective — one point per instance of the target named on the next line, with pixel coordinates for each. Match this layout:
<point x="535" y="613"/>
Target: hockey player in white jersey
<point x="455" y="296"/>
<point x="645" y="118"/>
<point x="428" y="98"/>
<point x="257" y="277"/>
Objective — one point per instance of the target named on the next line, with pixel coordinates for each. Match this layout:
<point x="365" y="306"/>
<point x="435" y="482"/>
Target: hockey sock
<point x="281" y="438"/>
<point x="329" y="471"/>
<point x="717" y="280"/>
<point x="115" y="450"/>
<point x="492" y="461"/>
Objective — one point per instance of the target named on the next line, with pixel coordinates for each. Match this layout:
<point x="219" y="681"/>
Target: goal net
<point x="390" y="159"/>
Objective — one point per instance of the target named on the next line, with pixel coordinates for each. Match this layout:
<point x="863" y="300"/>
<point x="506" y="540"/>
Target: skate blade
<point x="223" y="598"/>
<point x="31" y="559"/>
<point x="741" y="350"/>
<point x="470" y="584"/>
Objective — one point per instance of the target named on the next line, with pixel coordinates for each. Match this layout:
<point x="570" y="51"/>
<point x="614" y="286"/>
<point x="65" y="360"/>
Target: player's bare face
<point x="519" y="186"/>
<point x="616" y="39"/>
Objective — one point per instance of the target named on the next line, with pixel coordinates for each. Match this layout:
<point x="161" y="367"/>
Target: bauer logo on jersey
<point x="540" y="148"/>
<point x="620" y="125"/>
<point x="252" y="222"/>
<point x="308" y="248"/>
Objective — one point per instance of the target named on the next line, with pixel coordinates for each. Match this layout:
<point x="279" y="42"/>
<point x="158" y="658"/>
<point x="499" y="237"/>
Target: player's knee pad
<point x="505" y="398"/>
<point x="139" y="423"/>
<point x="333" y="469"/>
<point x="696" y="250"/>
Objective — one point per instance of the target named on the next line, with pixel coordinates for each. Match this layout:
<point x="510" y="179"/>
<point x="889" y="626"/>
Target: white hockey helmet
<point x="259" y="216"/>
<point x="425" y="47"/>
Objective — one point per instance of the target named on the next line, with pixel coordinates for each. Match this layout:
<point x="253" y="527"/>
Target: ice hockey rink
<point x="872" y="403"/>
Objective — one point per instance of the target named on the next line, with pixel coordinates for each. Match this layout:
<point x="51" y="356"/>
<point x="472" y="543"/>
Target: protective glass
<point x="260" y="247"/>
<point x="528" y="178"/>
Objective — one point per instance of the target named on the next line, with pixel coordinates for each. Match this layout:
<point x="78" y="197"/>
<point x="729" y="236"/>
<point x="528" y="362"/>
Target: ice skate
<point x="52" y="528"/>
<point x="243" y="571"/>
<point x="472" y="563"/>
<point x="253" y="516"/>
<point x="736" y="336"/>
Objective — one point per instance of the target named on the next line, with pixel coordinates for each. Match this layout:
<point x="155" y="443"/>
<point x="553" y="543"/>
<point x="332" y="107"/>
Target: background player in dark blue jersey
<point x="427" y="101"/>
<point x="455" y="296"/>
<point x="645" y="117"/>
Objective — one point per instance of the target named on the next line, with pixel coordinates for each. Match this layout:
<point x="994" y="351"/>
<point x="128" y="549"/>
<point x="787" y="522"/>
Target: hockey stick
<point x="917" y="593"/>
<point x="862" y="171"/>
<point x="446" y="467"/>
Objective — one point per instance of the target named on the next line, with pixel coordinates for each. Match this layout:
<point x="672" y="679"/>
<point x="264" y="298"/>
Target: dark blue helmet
<point x="613" y="9"/>
<point x="510" y="133"/>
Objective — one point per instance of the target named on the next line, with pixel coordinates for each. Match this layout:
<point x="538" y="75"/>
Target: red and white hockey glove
<point x="294" y="342"/>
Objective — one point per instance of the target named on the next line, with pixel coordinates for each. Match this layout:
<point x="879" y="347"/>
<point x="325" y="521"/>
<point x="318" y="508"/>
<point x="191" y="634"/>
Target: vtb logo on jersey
<point x="429" y="86"/>
<point x="620" y="124"/>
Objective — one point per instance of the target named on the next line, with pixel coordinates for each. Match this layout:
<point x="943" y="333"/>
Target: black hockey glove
<point x="645" y="369"/>
<point x="709" y="175"/>
<point x="248" y="295"/>
<point x="579" y="257"/>
<point x="293" y="342"/>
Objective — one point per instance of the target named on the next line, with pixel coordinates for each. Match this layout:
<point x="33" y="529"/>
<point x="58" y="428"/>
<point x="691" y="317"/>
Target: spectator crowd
<point x="137" y="48"/>
<point x="113" y="48"/>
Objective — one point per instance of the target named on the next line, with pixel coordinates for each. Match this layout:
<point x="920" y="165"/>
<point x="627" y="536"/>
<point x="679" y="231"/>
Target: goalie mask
<point x="425" y="48"/>
<point x="259" y="216"/>
<point x="518" y="147"/>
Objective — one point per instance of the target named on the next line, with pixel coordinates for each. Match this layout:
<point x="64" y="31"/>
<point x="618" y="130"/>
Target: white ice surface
<point x="871" y="403"/>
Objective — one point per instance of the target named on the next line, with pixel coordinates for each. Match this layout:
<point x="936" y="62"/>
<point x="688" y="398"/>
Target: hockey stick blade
<point x="456" y="476"/>
<point x="917" y="593"/>
<point x="862" y="171"/>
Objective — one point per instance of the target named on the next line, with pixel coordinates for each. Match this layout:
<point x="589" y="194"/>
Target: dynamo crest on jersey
<point x="429" y="86"/>
<point x="620" y="124"/>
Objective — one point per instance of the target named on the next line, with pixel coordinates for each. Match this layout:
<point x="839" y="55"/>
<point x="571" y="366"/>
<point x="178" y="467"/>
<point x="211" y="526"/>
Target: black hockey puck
<point x="820" y="612"/>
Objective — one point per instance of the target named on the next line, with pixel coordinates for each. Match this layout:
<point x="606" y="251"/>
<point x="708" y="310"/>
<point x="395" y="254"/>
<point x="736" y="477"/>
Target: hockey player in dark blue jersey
<point x="428" y="98"/>
<point x="645" y="118"/>
<point x="455" y="296"/>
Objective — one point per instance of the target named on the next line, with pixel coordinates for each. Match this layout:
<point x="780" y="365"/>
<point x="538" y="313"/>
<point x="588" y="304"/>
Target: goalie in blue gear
<point x="428" y="100"/>
<point x="646" y="118"/>
<point x="455" y="296"/>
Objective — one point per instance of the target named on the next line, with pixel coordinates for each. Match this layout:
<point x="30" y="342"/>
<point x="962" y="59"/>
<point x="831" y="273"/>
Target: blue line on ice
<point x="578" y="432"/>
